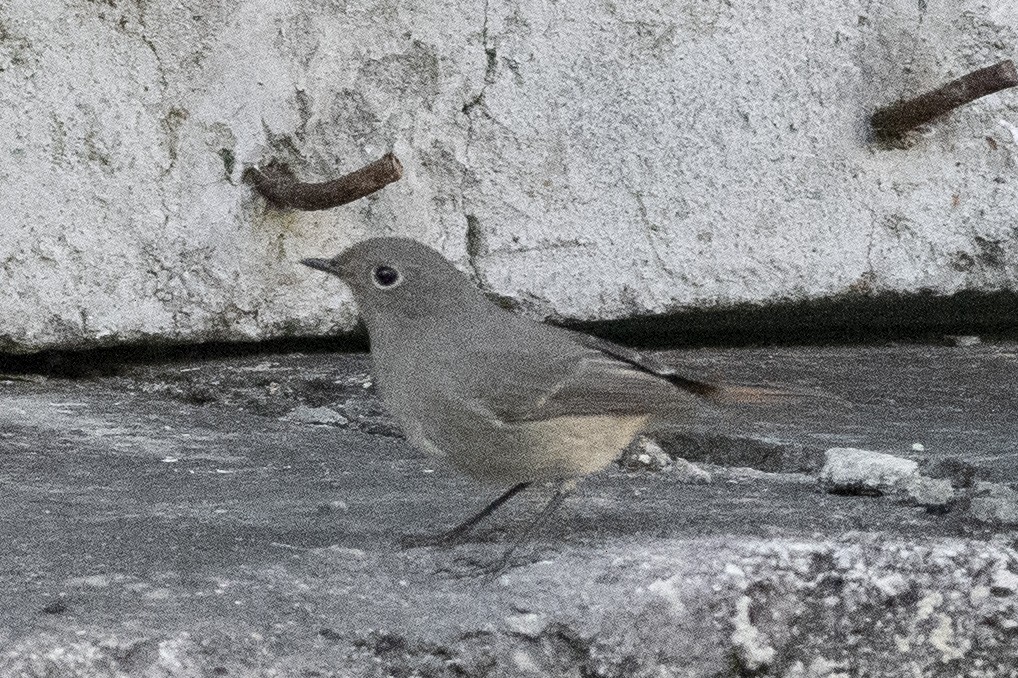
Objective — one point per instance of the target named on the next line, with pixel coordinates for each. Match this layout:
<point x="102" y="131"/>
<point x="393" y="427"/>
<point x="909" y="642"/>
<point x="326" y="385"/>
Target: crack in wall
<point x="173" y="118"/>
<point x="474" y="237"/>
<point x="650" y="228"/>
<point x="909" y="67"/>
<point x="864" y="285"/>
<point x="475" y="247"/>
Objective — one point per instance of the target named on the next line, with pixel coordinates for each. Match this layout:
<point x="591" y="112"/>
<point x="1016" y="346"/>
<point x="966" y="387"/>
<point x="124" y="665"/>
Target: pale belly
<point x="555" y="449"/>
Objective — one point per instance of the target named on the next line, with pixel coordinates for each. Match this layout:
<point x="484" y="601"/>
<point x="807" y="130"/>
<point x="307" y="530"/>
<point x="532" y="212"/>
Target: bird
<point x="503" y="398"/>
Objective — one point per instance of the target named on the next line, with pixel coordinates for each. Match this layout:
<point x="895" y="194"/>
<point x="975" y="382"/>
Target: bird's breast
<point x="536" y="451"/>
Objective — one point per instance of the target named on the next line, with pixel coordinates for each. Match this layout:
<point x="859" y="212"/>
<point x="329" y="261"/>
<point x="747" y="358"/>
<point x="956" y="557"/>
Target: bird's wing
<point x="594" y="377"/>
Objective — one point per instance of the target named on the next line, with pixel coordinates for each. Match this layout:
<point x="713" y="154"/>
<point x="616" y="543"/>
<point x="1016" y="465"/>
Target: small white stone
<point x="852" y="469"/>
<point x="528" y="624"/>
<point x="688" y="472"/>
<point x="963" y="340"/>
<point x="1004" y="581"/>
<point x="316" y="415"/>
<point x="927" y="491"/>
<point x="647" y="454"/>
<point x="891" y="585"/>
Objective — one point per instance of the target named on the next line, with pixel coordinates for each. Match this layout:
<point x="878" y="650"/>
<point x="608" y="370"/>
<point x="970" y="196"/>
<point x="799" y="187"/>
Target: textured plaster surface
<point x="589" y="159"/>
<point x="243" y="518"/>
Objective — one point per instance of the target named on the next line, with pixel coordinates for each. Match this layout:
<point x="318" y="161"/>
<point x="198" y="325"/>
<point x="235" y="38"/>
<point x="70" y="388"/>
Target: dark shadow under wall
<point x="863" y="319"/>
<point x="109" y="361"/>
<point x="846" y="320"/>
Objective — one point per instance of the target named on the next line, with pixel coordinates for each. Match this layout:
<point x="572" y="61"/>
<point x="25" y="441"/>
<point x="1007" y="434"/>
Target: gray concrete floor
<point x="186" y="519"/>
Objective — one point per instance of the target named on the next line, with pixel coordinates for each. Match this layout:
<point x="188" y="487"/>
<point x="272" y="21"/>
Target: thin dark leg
<point x="562" y="490"/>
<point x="455" y="533"/>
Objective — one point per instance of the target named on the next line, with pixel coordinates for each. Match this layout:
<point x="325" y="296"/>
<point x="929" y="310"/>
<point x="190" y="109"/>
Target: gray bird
<point x="503" y="398"/>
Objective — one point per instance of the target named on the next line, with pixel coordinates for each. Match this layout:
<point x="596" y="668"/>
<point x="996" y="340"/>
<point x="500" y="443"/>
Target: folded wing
<point x="590" y="376"/>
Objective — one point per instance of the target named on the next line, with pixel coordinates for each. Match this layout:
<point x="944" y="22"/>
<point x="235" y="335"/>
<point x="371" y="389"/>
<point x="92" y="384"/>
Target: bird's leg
<point x="453" y="535"/>
<point x="562" y="490"/>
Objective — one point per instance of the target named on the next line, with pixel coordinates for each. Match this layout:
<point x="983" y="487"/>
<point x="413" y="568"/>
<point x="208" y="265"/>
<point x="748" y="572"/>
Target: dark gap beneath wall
<point x="919" y="318"/>
<point x="96" y="362"/>
<point x="883" y="318"/>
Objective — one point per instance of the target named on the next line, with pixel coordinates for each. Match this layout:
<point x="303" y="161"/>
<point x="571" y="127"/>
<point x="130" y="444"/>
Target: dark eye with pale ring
<point x="385" y="276"/>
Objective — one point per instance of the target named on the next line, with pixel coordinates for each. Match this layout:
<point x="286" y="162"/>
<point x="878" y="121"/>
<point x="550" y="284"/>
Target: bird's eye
<point x="385" y="276"/>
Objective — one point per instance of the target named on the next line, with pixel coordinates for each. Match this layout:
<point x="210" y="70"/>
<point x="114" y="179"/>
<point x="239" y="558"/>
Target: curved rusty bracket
<point x="277" y="183"/>
<point x="898" y="118"/>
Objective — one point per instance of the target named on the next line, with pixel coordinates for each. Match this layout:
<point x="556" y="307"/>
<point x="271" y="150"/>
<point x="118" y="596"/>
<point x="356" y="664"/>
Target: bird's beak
<point x="326" y="265"/>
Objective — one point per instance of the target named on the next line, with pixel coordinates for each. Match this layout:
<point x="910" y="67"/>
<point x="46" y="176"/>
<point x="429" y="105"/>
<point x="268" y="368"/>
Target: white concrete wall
<point x="607" y="157"/>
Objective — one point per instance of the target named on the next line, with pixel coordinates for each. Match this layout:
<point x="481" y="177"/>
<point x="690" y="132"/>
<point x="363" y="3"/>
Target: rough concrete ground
<point x="193" y="519"/>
